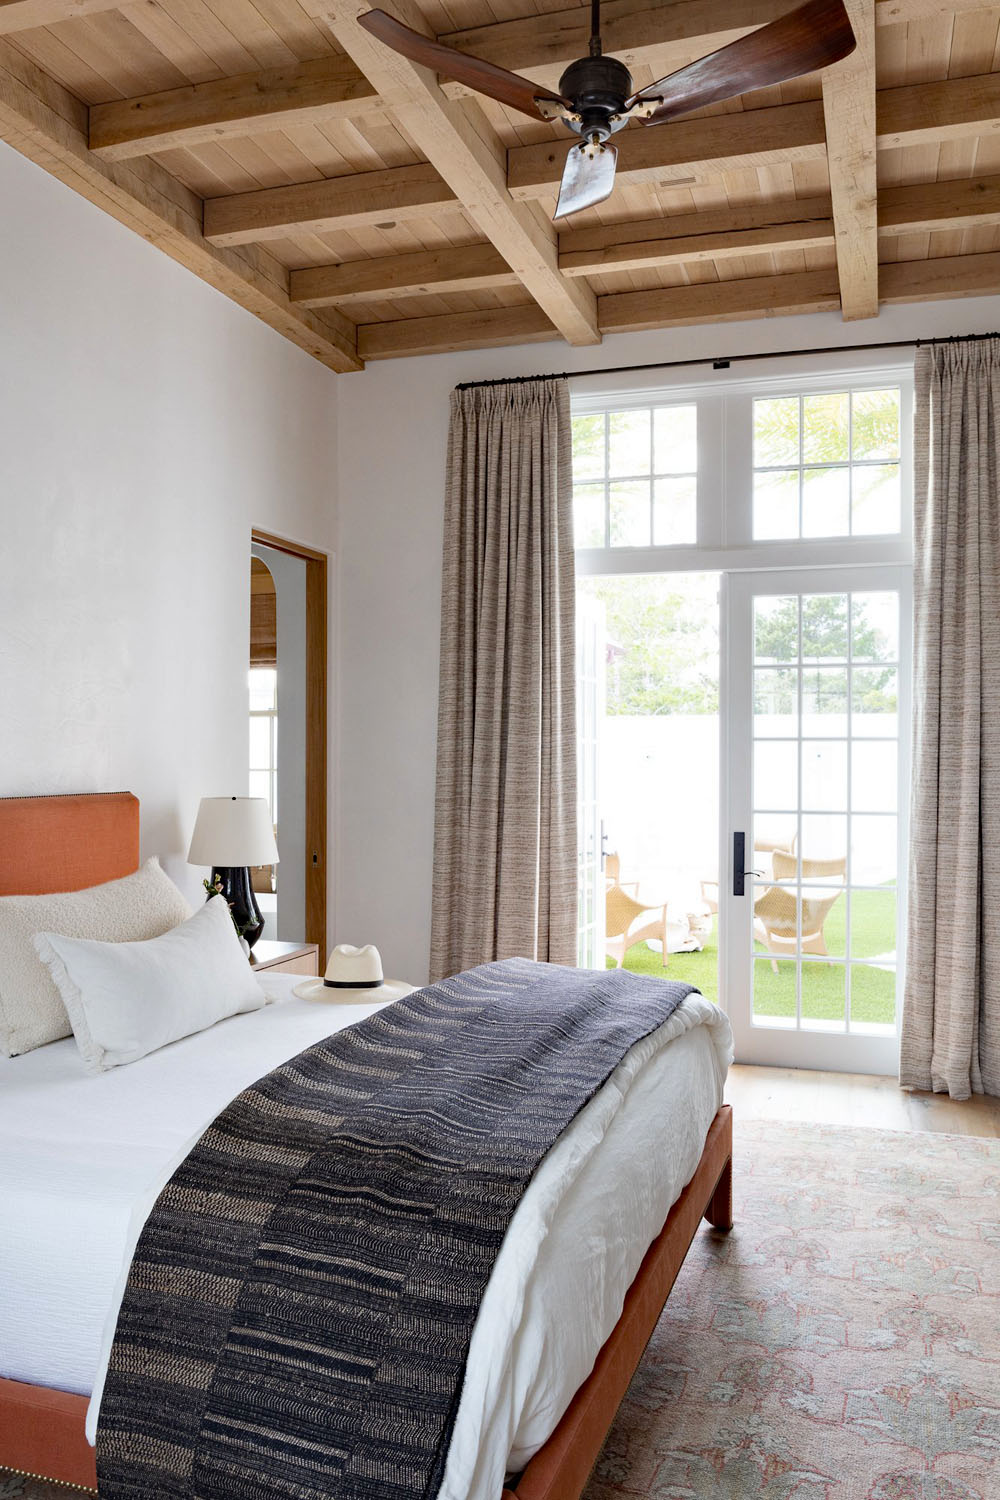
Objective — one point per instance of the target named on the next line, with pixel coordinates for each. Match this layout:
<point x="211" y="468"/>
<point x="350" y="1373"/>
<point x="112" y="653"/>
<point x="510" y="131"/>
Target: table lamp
<point x="230" y="834"/>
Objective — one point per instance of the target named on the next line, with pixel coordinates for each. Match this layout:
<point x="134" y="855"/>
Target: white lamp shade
<point x="233" y="831"/>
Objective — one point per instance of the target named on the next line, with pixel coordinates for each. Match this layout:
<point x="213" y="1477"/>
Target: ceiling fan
<point x="595" y="95"/>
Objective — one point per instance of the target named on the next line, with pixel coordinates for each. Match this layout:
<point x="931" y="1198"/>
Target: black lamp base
<point x="237" y="889"/>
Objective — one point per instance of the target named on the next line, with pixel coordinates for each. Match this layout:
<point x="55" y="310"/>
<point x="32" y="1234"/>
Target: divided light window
<point x="635" y="477"/>
<point x="826" y="465"/>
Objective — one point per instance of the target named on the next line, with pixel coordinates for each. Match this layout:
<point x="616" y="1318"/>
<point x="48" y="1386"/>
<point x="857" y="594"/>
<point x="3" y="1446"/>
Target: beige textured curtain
<point x="505" y="833"/>
<point x="951" y="1010"/>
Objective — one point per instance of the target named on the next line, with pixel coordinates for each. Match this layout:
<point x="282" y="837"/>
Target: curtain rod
<point x="725" y="362"/>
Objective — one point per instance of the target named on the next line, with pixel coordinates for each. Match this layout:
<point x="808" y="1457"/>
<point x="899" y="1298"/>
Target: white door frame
<point x="842" y="1052"/>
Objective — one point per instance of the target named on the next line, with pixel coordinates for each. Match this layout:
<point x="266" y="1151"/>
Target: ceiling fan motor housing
<point x="598" y="87"/>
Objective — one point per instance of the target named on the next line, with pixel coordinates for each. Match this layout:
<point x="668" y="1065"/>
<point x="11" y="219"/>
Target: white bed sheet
<point x="82" y="1157"/>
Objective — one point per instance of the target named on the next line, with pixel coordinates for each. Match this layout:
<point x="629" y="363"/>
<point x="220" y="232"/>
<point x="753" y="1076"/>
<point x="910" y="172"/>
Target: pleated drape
<point x="505" y="816"/>
<point x="951" y="1008"/>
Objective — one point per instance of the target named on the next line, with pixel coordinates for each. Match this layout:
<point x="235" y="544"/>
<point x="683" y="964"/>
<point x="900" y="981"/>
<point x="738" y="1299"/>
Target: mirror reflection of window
<point x="263" y="695"/>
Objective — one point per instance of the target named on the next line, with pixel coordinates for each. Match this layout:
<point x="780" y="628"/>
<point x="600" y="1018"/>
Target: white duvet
<point x="83" y="1156"/>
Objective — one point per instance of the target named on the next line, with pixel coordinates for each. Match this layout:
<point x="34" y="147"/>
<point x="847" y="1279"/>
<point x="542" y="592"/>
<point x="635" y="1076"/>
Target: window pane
<point x="873" y="996"/>
<point x="776" y="505"/>
<point x="824" y="920"/>
<point x="675" y="511"/>
<point x="772" y="832"/>
<point x="874" y="701"/>
<point x="628" y="442"/>
<point x="262" y="682"/>
<point x="824" y="700"/>
<point x="873" y="925"/>
<point x="824" y="997"/>
<point x="588" y="447"/>
<point x="875" y="627"/>
<point x="873" y="776"/>
<point x="825" y="422"/>
<point x="775" y="701"/>
<point x="775" y="774"/>
<point x="260" y="744"/>
<point x="675" y="439"/>
<point x="824" y="775"/>
<point x="774" y="993"/>
<point x="824" y="837"/>
<point x="875" y="424"/>
<point x="260" y="784"/>
<point x="629" y="514"/>
<point x="588" y="515"/>
<point x="826" y="502"/>
<point x="776" y="629"/>
<point x="875" y="503"/>
<point x="776" y="432"/>
<point x="873" y="850"/>
<point x="824" y="627"/>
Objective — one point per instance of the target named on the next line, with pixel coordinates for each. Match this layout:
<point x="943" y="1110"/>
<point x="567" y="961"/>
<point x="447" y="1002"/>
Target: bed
<point x="72" y="1212"/>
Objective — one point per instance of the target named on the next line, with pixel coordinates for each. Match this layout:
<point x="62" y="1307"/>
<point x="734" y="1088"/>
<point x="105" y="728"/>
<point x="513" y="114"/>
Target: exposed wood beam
<point x="443" y="334"/>
<point x="685" y="151"/>
<point x="24" y="15"/>
<point x="458" y="139"/>
<point x="327" y="88"/>
<point x="349" y="202"/>
<point x="716" y="234"/>
<point x="708" y="302"/>
<point x="48" y="124"/>
<point x="696" y="150"/>
<point x="927" y="206"/>
<point x="468" y="268"/>
<point x="849" y="111"/>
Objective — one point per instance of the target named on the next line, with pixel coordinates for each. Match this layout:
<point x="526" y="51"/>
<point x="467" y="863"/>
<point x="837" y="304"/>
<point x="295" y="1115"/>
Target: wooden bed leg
<point x="719" y="1212"/>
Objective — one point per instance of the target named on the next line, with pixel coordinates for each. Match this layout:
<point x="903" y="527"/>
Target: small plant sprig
<point x="214" y="888"/>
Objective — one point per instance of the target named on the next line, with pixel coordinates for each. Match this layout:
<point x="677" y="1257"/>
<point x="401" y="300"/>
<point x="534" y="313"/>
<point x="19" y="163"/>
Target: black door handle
<point x="739" y="862"/>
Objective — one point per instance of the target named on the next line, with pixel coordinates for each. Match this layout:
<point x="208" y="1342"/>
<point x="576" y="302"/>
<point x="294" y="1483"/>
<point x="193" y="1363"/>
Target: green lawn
<point x="873" y="990"/>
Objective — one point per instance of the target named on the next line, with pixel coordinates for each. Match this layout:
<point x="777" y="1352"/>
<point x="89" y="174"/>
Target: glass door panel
<point x="817" y="769"/>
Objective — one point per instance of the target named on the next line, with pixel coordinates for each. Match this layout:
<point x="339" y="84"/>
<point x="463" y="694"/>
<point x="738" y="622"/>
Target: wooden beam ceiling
<point x="457" y="139"/>
<point x="48" y="124"/>
<point x="678" y="307"/>
<point x="469" y="268"/>
<point x="849" y="113"/>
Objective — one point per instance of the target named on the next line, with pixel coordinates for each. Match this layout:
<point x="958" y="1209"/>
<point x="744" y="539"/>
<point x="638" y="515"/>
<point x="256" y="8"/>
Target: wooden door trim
<point x="317" y="657"/>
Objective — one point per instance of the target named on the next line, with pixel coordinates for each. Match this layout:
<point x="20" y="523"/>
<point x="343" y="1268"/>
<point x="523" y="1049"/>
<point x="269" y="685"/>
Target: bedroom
<point x="149" y="426"/>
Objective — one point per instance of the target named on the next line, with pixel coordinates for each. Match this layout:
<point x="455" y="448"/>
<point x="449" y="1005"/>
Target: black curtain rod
<point x="724" y="363"/>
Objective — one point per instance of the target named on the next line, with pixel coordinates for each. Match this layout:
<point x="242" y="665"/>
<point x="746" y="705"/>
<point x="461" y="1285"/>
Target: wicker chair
<point x="613" y="874"/>
<point x="621" y="911"/>
<point x="776" y="911"/>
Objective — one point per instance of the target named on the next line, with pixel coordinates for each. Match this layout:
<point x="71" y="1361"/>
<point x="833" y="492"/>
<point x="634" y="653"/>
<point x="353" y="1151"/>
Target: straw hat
<point x="353" y="977"/>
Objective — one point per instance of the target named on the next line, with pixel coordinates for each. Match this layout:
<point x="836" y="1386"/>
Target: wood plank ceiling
<point x="366" y="210"/>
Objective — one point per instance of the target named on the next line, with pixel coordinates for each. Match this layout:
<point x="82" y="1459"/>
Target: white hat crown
<point x="353" y="968"/>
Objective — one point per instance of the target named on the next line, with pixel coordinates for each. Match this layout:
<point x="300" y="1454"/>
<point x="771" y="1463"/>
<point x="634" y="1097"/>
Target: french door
<point x="815" y="736"/>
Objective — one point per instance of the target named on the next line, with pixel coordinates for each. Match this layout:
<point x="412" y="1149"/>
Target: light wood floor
<point x="853" y="1099"/>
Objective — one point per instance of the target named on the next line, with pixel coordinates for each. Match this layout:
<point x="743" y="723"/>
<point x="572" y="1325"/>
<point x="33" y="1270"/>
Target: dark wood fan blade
<point x="586" y="180"/>
<point x="485" y="77"/>
<point x="811" y="37"/>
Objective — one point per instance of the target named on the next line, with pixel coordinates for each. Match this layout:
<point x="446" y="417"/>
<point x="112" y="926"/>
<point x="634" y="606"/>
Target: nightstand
<point x="286" y="958"/>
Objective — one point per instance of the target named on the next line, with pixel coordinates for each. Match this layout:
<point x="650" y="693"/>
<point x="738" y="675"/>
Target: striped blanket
<point x="301" y="1301"/>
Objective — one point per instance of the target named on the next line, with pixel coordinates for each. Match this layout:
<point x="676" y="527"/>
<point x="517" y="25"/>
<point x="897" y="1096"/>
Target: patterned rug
<point x="842" y="1343"/>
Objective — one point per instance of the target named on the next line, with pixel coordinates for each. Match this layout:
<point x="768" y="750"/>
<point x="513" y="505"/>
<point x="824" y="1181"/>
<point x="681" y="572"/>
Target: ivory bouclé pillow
<point x="128" y="999"/>
<point x="138" y="906"/>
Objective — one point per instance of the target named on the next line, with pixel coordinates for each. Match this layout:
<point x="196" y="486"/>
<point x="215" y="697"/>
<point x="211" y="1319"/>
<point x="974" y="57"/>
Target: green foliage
<point x="664" y="638"/>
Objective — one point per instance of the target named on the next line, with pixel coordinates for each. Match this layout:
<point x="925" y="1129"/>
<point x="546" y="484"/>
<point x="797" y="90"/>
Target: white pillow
<point x="138" y="906"/>
<point x="127" y="999"/>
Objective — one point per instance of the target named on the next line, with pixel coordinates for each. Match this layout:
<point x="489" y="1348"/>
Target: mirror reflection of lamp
<point x="231" y="834"/>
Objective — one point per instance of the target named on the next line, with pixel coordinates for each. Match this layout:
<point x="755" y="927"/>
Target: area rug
<point x="841" y="1343"/>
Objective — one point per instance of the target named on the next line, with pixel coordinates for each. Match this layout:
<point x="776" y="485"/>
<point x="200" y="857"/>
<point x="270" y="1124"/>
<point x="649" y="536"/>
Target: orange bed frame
<point x="66" y="843"/>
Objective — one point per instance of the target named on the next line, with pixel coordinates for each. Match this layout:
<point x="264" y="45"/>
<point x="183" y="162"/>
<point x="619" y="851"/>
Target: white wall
<point x="393" y="430"/>
<point x="146" y="424"/>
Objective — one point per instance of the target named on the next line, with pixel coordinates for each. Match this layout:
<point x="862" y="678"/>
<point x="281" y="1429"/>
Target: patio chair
<point x="776" y="911"/>
<point x="612" y="874"/>
<point x="621" y="911"/>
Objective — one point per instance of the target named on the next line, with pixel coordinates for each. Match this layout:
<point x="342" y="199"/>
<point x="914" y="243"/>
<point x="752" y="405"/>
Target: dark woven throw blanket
<point x="300" y="1304"/>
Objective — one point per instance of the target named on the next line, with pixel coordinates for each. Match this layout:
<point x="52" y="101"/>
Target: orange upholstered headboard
<point x="66" y="843"/>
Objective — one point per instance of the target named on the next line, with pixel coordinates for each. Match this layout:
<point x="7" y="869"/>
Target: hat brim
<point x="389" y="989"/>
